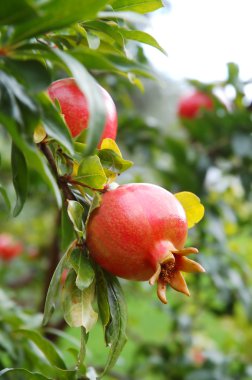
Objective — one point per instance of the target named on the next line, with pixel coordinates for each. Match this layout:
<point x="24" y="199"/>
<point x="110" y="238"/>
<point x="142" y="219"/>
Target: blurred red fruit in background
<point x="189" y="106"/>
<point x="9" y="247"/>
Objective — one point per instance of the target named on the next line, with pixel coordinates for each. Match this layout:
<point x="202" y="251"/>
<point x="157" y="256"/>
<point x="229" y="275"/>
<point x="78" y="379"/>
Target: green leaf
<point x="97" y="199"/>
<point x="94" y="98"/>
<point x="83" y="268"/>
<point x="45" y="346"/>
<point x="77" y="304"/>
<point x="54" y="14"/>
<point x="53" y="290"/>
<point x="20" y="177"/>
<point x="31" y="73"/>
<point x="112" y="162"/>
<point x="193" y="208"/>
<point x="118" y="34"/>
<point x="102" y="297"/>
<point x="33" y="157"/>
<point x="91" y="173"/>
<point x="67" y="232"/>
<point x="140" y="6"/>
<point x="94" y="60"/>
<point x="75" y="212"/>
<point x="13" y="373"/>
<point x="17" y="90"/>
<point x="115" y="332"/>
<point x="142" y="37"/>
<point x="5" y="197"/>
<point x="54" y="124"/>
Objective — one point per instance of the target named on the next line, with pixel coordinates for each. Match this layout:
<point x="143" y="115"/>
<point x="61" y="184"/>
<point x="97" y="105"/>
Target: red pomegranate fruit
<point x="74" y="107"/>
<point x="138" y="233"/>
<point x="9" y="247"/>
<point x="190" y="105"/>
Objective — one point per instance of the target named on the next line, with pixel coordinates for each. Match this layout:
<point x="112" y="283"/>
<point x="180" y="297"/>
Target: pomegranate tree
<point x="189" y="106"/>
<point x="74" y="107"/>
<point x="138" y="233"/>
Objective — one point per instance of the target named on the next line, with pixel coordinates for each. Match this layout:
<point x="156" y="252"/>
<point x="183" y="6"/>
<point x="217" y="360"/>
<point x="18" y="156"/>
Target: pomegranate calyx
<point x="161" y="291"/>
<point x="155" y="276"/>
<point x="185" y="251"/>
<point x="169" y="270"/>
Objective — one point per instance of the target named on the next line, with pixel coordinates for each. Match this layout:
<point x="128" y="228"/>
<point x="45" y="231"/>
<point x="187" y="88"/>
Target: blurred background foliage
<point x="205" y="337"/>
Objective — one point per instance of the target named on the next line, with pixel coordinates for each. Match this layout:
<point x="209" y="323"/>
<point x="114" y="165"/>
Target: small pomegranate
<point x="9" y="247"/>
<point x="74" y="107"/>
<point x="190" y="106"/>
<point x="138" y="233"/>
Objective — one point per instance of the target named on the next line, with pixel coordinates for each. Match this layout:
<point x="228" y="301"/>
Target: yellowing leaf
<point x="111" y="144"/>
<point x="77" y="304"/>
<point x="75" y="168"/>
<point x="193" y="208"/>
<point x="39" y="134"/>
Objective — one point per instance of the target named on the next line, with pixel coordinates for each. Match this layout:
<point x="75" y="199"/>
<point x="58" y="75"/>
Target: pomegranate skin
<point x="190" y="106"/>
<point x="9" y="248"/>
<point x="74" y="107"/>
<point x="134" y="228"/>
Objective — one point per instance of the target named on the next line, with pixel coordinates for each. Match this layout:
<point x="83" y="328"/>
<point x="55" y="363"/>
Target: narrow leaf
<point x="13" y="373"/>
<point x="52" y="15"/>
<point x="102" y="297"/>
<point x="20" y="177"/>
<point x="115" y="332"/>
<point x="140" y="6"/>
<point x="45" y="346"/>
<point x="143" y="37"/>
<point x="31" y="73"/>
<point x="33" y="157"/>
<point x="54" y="124"/>
<point x="193" y="208"/>
<point x="5" y="197"/>
<point x="53" y="290"/>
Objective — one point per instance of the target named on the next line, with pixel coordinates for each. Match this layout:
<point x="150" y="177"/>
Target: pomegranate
<point x="9" y="247"/>
<point x="190" y="105"/>
<point x="138" y="233"/>
<point x="74" y="107"/>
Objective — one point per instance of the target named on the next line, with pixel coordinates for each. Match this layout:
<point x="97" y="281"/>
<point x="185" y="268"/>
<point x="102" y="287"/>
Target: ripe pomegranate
<point x="74" y="107"/>
<point x="138" y="233"/>
<point x="190" y="105"/>
<point x="9" y="247"/>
